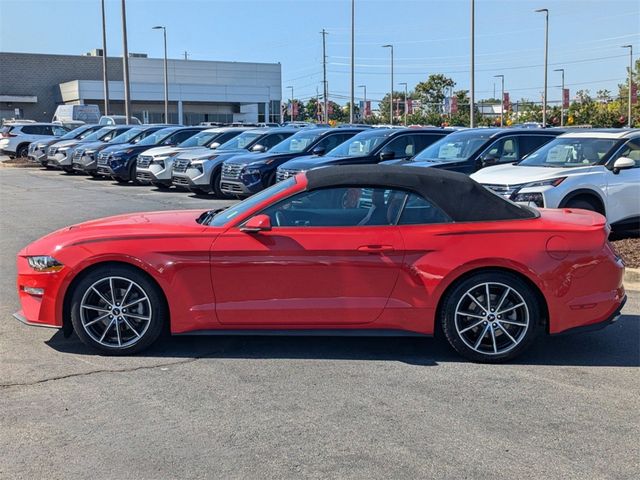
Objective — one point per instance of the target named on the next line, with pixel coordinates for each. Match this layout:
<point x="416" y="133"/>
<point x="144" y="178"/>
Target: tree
<point x="433" y="91"/>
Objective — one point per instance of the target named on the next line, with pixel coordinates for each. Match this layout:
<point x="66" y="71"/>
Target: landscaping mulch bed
<point x="629" y="250"/>
<point x="19" y="163"/>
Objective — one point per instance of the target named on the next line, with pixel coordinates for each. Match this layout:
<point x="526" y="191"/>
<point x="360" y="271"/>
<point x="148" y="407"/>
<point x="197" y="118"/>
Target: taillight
<point x="8" y="135"/>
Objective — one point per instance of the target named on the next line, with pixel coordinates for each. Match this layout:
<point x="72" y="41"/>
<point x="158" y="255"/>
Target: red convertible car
<point x="367" y="250"/>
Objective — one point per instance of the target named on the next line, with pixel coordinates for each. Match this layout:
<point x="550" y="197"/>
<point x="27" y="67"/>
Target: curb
<point x="632" y="279"/>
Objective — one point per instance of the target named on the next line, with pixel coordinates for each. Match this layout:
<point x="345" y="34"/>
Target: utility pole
<point x="630" y="47"/>
<point x="105" y="76"/>
<point x="353" y="62"/>
<point x="391" y="92"/>
<point x="546" y="58"/>
<point x="501" y="77"/>
<point x="364" y="114"/>
<point x="291" y="101"/>
<point x="186" y="55"/>
<point x="325" y="94"/>
<point x="125" y="65"/>
<point x="472" y="80"/>
<point x="562" y="97"/>
<point x="405" y="101"/>
<point x="166" y="75"/>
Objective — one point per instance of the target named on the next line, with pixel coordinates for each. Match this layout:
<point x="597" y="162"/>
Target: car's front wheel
<point x="117" y="310"/>
<point x="491" y="317"/>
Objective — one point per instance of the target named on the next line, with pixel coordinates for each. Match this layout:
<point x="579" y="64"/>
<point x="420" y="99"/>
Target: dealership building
<point x="33" y="85"/>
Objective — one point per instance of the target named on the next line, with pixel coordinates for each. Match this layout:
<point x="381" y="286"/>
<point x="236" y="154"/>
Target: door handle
<point x="375" y="248"/>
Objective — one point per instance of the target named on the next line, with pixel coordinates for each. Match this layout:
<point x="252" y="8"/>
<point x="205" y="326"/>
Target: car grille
<point x="52" y="151"/>
<point x="231" y="171"/>
<point x="144" y="176"/>
<point x="104" y="171"/>
<point x="284" y="173"/>
<point x="231" y="187"/>
<point x="503" y="190"/>
<point x="144" y="161"/>
<point x="103" y="159"/>
<point x="180" y="181"/>
<point x="181" y="165"/>
<point x="77" y="155"/>
<point x="32" y="148"/>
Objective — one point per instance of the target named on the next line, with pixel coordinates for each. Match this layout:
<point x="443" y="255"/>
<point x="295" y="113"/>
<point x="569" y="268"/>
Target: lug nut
<point x="495" y="325"/>
<point x="485" y="323"/>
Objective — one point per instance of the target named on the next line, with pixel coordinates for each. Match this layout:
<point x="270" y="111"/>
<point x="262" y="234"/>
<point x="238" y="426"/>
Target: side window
<point x="630" y="150"/>
<point x="423" y="141"/>
<point x="504" y="150"/>
<point x="181" y="136"/>
<point x="30" y="130"/>
<point x="45" y="130"/>
<point x="112" y="134"/>
<point x="271" y="140"/>
<point x="338" y="207"/>
<point x="222" y="138"/>
<point x="332" y="141"/>
<point x="529" y="143"/>
<point x="402" y="147"/>
<point x="419" y="211"/>
<point x="58" y="131"/>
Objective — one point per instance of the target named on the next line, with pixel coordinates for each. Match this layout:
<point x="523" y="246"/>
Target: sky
<point x="429" y="36"/>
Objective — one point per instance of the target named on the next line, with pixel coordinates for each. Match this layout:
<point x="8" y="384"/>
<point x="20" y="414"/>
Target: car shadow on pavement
<point x="616" y="346"/>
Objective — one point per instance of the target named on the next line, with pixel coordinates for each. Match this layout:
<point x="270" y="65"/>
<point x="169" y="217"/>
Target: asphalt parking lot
<point x="265" y="407"/>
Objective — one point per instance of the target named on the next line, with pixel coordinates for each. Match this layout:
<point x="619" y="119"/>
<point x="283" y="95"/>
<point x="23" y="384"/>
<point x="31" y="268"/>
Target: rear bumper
<point x="598" y="325"/>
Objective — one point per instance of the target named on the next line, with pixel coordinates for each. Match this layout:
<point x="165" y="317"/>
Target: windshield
<point x="78" y="133"/>
<point x="455" y="147"/>
<point x="199" y="140"/>
<point x="361" y="145"/>
<point x="296" y="143"/>
<point x="244" y="140"/>
<point x="157" y="136"/>
<point x="128" y="136"/>
<point x="98" y="134"/>
<point x="240" y="208"/>
<point x="570" y="152"/>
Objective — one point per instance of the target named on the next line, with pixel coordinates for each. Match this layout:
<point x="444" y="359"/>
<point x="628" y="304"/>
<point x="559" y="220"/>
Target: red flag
<point x="409" y="106"/>
<point x="505" y="102"/>
<point x="634" y="93"/>
<point x="367" y="108"/>
<point x="565" y="98"/>
<point x="454" y="104"/>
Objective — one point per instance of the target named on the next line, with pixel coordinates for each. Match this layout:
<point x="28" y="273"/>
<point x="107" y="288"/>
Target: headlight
<point x="159" y="163"/>
<point x="535" y="198"/>
<point x="63" y="149"/>
<point x="197" y="166"/>
<point x="44" y="263"/>
<point x="252" y="171"/>
<point x="554" y="182"/>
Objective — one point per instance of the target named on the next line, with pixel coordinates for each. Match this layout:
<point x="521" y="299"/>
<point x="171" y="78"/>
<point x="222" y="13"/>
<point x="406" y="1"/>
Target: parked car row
<point x="597" y="170"/>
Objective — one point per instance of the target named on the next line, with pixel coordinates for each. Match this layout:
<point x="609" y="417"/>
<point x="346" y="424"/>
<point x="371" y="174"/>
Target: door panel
<point x="305" y="276"/>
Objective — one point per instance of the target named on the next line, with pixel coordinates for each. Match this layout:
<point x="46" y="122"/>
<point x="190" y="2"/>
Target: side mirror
<point x="214" y="145"/>
<point x="258" y="148"/>
<point x="319" y="151"/>
<point x="623" y="163"/>
<point x="259" y="223"/>
<point x="488" y="160"/>
<point x="387" y="155"/>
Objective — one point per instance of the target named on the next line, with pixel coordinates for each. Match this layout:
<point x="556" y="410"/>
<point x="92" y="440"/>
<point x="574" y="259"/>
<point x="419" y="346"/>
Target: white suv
<point x="595" y="170"/>
<point x="16" y="137"/>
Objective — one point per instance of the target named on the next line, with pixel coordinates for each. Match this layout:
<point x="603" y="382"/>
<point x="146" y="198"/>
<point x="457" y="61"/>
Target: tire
<point x="161" y="186"/>
<point x="488" y="336"/>
<point x="121" y="180"/>
<point x="125" y="332"/>
<point x="215" y="184"/>
<point x="132" y="173"/>
<point x="584" y="204"/>
<point x="22" y="151"/>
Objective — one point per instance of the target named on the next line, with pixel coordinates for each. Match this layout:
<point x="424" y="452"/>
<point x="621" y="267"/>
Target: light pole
<point x="105" y="77"/>
<point x="501" y="77"/>
<point x="391" y="92"/>
<point x="291" y="101"/>
<point x="405" y="101"/>
<point x="325" y="92"/>
<point x="166" y="76"/>
<point x="561" y="70"/>
<point x="353" y="64"/>
<point x="472" y="87"/>
<point x="364" y="114"/>
<point x="630" y="47"/>
<point x="125" y="65"/>
<point x="546" y="57"/>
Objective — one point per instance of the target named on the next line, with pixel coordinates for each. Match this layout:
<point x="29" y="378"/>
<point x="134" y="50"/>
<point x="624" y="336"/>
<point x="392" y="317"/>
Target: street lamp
<point x="562" y="100"/>
<point x="546" y="56"/>
<point x="364" y="115"/>
<point x="391" y="92"/>
<point x="352" y="108"/>
<point x="125" y="65"/>
<point x="405" y="101"/>
<point x="166" y="77"/>
<point x="472" y="88"/>
<point x="291" y="101"/>
<point x="630" y="47"/>
<point x="105" y="76"/>
<point x="501" y="77"/>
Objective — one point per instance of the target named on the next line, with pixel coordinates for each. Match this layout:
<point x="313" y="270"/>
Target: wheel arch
<point x="67" y="328"/>
<point x="587" y="193"/>
<point x="484" y="269"/>
<point x="20" y="145"/>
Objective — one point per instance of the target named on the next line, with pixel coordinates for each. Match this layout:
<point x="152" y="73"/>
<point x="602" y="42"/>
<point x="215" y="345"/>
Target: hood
<point x="518" y="174"/>
<point x="308" y="162"/>
<point x="196" y="153"/>
<point x="256" y="157"/>
<point x="96" y="146"/>
<point x="163" y="151"/>
<point x="67" y="143"/>
<point x="120" y="227"/>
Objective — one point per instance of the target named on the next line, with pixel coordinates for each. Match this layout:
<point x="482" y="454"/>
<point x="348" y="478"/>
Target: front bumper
<point x="58" y="160"/>
<point x="154" y="174"/>
<point x="40" y="310"/>
<point x="84" y="163"/>
<point x="22" y="319"/>
<point x="5" y="151"/>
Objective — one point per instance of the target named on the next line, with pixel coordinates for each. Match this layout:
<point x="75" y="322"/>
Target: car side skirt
<point x="308" y="333"/>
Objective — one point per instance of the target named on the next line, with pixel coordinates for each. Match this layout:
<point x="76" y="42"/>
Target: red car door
<point x="303" y="274"/>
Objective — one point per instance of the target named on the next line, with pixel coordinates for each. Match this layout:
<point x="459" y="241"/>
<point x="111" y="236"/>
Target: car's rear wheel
<point x="491" y="317"/>
<point x="117" y="310"/>
<point x="22" y="151"/>
<point x="584" y="204"/>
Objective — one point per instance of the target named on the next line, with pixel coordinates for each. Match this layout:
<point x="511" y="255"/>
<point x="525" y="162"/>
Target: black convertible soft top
<point x="462" y="198"/>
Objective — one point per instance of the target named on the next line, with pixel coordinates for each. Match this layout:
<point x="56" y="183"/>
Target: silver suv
<point x="16" y="137"/>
